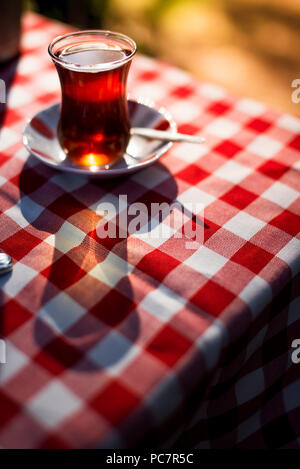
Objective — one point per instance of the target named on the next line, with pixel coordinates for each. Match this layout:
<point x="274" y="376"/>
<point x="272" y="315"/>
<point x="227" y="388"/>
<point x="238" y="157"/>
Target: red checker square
<point x="13" y="316"/>
<point x="212" y="298"/>
<point x="63" y="273"/>
<point x="224" y="242"/>
<point x="4" y="158"/>
<point x="149" y="75"/>
<point x="190" y="323"/>
<point x="239" y="197"/>
<point x="271" y="238"/>
<point x="29" y="181"/>
<point x="47" y="98"/>
<point x="20" y="244"/>
<point x="273" y="169"/>
<point x="85" y="428"/>
<point x="219" y="212"/>
<point x="228" y="149"/>
<point x="218" y="108"/>
<point x="115" y="402"/>
<point x="8" y="409"/>
<point x="210" y="229"/>
<point x="188" y="129"/>
<point x="109" y="242"/>
<point x="21" y="79"/>
<point x="230" y="271"/>
<point x="295" y="143"/>
<point x="287" y="221"/>
<point x="259" y="125"/>
<point x="158" y="264"/>
<point x="86" y="220"/>
<point x="182" y="91"/>
<point x="65" y="206"/>
<point x="192" y="174"/>
<point x="58" y="356"/>
<point x="8" y="227"/>
<point x="113" y="308"/>
<point x="21" y="387"/>
<point x="135" y="373"/>
<point x="185" y="280"/>
<point x="93" y="286"/>
<point x="53" y="442"/>
<point x="253" y="257"/>
<point x="169" y="346"/>
<point x="11" y="117"/>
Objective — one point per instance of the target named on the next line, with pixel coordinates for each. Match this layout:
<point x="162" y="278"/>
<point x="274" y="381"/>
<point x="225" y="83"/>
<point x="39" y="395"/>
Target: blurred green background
<point x="252" y="47"/>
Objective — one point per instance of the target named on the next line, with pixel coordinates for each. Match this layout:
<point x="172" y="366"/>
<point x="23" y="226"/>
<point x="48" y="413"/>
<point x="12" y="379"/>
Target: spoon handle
<point x="165" y="135"/>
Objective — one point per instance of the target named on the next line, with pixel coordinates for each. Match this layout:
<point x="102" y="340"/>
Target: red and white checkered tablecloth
<point x="143" y="343"/>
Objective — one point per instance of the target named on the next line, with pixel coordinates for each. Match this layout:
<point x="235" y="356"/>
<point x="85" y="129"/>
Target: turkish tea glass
<point x="93" y="66"/>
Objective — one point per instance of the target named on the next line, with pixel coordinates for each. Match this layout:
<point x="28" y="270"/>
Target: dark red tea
<point x="94" y="126"/>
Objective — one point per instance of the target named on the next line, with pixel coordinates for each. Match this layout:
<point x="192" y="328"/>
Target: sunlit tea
<point x="93" y="66"/>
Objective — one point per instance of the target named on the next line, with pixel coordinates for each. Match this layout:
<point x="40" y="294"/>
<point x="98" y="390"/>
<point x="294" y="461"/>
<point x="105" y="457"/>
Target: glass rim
<point x="93" y="32"/>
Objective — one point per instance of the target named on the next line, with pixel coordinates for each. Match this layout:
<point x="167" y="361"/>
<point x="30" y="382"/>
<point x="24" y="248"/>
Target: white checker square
<point x="2" y="180"/>
<point x="69" y="182"/>
<point x="206" y="261"/>
<point x="212" y="91"/>
<point x="190" y="153"/>
<point x="162" y="303"/>
<point x="111" y="204"/>
<point x="265" y="147"/>
<point x="290" y="123"/>
<point x="281" y="194"/>
<point x="34" y="38"/>
<point x="25" y="211"/>
<point x="184" y="110"/>
<point x="223" y="128"/>
<point x="250" y="107"/>
<point x="15" y="361"/>
<point x="29" y="64"/>
<point x="22" y="154"/>
<point x="114" y="353"/>
<point x="48" y="81"/>
<point x="249" y="386"/>
<point x="111" y="270"/>
<point x="53" y="404"/>
<point x="8" y="137"/>
<point x="244" y="225"/>
<point x="18" y="97"/>
<point x="294" y="309"/>
<point x="149" y="91"/>
<point x="291" y="396"/>
<point x="61" y="312"/>
<point x="150" y="177"/>
<point x="233" y="172"/>
<point x="290" y="254"/>
<point x="257" y="294"/>
<point x="20" y="277"/>
<point x="176" y="76"/>
<point x="195" y="196"/>
<point x="67" y="237"/>
<point x="211" y="343"/>
<point x="154" y="233"/>
<point x="165" y="398"/>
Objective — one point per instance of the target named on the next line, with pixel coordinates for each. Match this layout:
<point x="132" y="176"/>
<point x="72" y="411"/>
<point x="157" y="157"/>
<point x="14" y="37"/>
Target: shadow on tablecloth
<point x="82" y="322"/>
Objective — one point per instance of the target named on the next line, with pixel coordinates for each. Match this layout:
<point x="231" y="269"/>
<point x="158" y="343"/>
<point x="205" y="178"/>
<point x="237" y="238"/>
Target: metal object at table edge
<point x="6" y="263"/>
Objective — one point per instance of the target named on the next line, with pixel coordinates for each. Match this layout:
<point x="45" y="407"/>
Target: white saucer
<point x="40" y="139"/>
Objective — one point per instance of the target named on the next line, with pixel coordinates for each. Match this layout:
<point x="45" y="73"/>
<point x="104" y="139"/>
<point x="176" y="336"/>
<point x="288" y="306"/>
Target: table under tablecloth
<point x="141" y="342"/>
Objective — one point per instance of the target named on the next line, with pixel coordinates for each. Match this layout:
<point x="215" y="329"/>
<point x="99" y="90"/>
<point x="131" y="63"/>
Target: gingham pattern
<point x="142" y="342"/>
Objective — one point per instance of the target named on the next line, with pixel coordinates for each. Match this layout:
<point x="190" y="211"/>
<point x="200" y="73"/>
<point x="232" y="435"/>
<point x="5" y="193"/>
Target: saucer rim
<point x="105" y="172"/>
